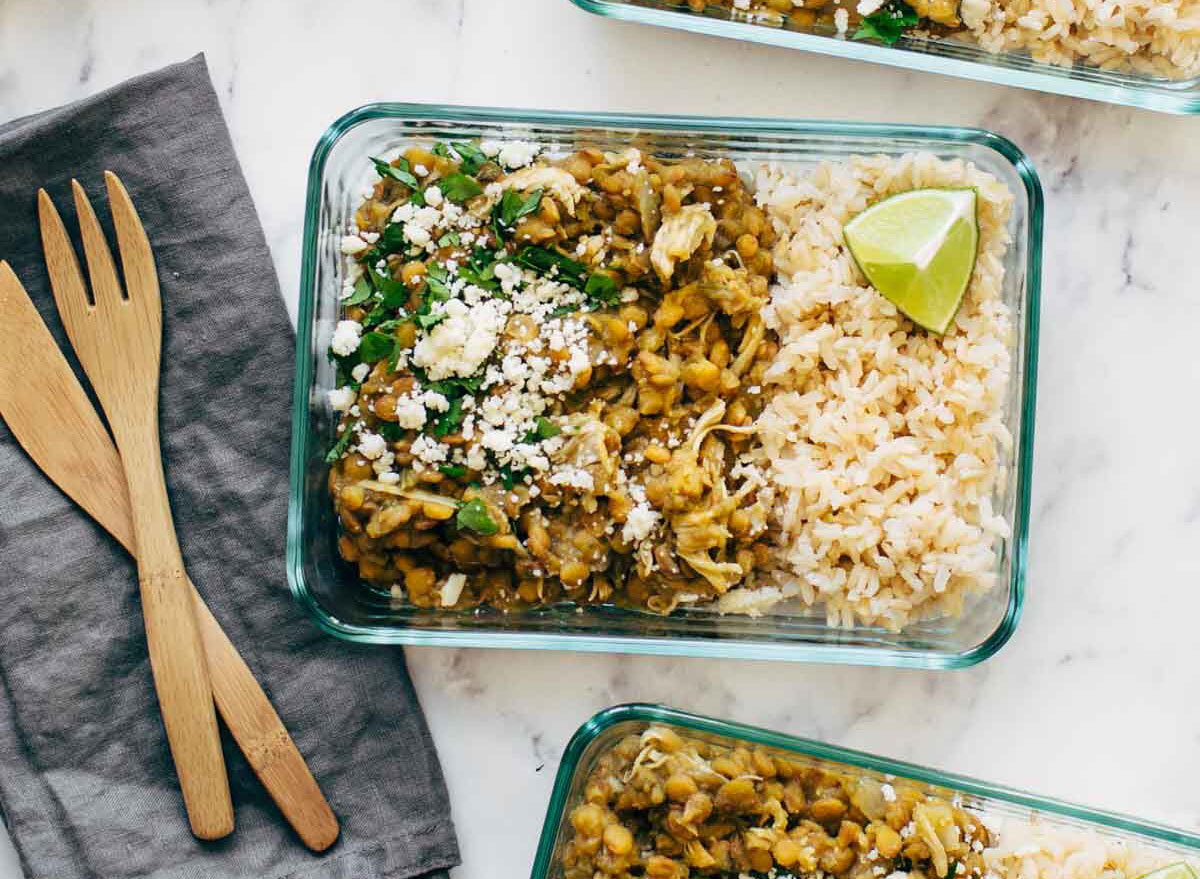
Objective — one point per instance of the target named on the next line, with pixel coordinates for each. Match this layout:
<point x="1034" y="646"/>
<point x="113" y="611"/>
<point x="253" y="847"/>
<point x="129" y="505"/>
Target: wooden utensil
<point x="118" y="338"/>
<point x="53" y="420"/>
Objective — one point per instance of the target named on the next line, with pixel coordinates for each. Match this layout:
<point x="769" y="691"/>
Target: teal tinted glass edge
<point x="677" y="646"/>
<point x="1046" y="79"/>
<point x="639" y="712"/>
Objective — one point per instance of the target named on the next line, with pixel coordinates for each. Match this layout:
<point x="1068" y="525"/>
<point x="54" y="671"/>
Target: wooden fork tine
<point x="137" y="259"/>
<point x="66" y="276"/>
<point x="106" y="285"/>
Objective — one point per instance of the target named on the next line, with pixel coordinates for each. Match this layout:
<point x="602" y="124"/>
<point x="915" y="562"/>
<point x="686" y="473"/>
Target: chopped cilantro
<point x="375" y="347"/>
<point x="449" y="421"/>
<point x="391" y="241"/>
<point x="450" y="239"/>
<point x="395" y="293"/>
<point x="428" y="321"/>
<point x="953" y="870"/>
<point x="375" y="316"/>
<point x="544" y="430"/>
<point x="458" y="187"/>
<point x="362" y="292"/>
<point x="391" y="431"/>
<point x="480" y="269"/>
<point x="399" y="171"/>
<point x="889" y="23"/>
<point x="471" y="156"/>
<point x="602" y="289"/>
<point x="454" y="471"/>
<point x="511" y="207"/>
<point x="545" y="261"/>
<point x="473" y="516"/>
<point x="510" y="477"/>
<point x="343" y="442"/>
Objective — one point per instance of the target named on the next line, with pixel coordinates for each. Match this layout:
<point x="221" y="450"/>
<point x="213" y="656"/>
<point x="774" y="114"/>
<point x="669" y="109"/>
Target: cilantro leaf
<point x="480" y="269"/>
<point x="391" y="431"/>
<point x="399" y="171"/>
<point x="545" y="261"/>
<point x="509" y="477"/>
<point x="428" y="321"/>
<point x="450" y="239"/>
<point x="888" y="24"/>
<point x="512" y="206"/>
<point x="375" y="316"/>
<point x="454" y="471"/>
<point x="602" y="289"/>
<point x="343" y="442"/>
<point x="449" y="421"/>
<point x="473" y="516"/>
<point x="544" y="430"/>
<point x="391" y="241"/>
<point x="471" y="156"/>
<point x="375" y="347"/>
<point x="395" y="293"/>
<point x="362" y="292"/>
<point x="458" y="187"/>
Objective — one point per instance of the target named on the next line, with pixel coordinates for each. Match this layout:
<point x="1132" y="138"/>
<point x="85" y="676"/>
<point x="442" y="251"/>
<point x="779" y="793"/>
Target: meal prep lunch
<point x="615" y="378"/>
<point x="1159" y="38"/>
<point x="662" y="805"/>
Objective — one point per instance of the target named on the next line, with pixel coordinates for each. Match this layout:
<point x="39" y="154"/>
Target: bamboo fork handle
<point x="176" y="651"/>
<point x="264" y="740"/>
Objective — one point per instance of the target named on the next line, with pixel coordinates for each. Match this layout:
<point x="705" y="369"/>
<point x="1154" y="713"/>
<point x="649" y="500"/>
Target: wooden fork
<point x="52" y="418"/>
<point x="118" y="339"/>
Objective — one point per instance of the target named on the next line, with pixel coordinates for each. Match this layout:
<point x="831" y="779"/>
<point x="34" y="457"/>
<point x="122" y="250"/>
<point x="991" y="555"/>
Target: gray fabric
<point x="86" y="783"/>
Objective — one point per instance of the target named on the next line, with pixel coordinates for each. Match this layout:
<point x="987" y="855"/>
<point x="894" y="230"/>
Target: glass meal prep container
<point x="329" y="588"/>
<point x="603" y="731"/>
<point x="935" y="55"/>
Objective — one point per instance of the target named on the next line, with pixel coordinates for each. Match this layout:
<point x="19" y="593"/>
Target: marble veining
<point x="1094" y="698"/>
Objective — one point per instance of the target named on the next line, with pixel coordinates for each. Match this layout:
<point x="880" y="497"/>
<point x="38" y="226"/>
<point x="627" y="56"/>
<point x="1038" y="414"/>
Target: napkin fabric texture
<point x="87" y="787"/>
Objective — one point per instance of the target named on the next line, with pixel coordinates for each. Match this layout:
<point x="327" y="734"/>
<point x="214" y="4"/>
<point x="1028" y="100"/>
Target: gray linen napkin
<point x="86" y="781"/>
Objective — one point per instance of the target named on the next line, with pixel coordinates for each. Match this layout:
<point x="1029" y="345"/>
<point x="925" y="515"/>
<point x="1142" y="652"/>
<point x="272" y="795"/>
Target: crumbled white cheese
<point x="341" y="399"/>
<point x="518" y="153"/>
<point x="352" y="245"/>
<point x="389" y="478"/>
<point x="346" y="336"/>
<point x="410" y="414"/>
<point x="453" y="589"/>
<point x="433" y="196"/>
<point x="420" y="170"/>
<point x="461" y="343"/>
<point x="435" y="401"/>
<point x="371" y="445"/>
<point x="889" y="792"/>
<point x="429" y="451"/>
<point x="841" y="18"/>
<point x="360" y="372"/>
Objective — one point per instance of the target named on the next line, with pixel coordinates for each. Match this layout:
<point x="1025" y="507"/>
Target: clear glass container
<point x="948" y="56"/>
<point x="603" y="731"/>
<point x="330" y="590"/>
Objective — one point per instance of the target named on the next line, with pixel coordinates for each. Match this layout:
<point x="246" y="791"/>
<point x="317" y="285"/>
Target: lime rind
<point x="918" y="249"/>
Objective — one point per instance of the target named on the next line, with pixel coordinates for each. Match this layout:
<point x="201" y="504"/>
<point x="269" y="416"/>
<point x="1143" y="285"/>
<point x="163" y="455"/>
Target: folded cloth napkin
<point x="86" y="781"/>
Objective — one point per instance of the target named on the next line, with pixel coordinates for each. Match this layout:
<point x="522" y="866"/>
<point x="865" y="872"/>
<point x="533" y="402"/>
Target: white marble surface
<point x="1095" y="698"/>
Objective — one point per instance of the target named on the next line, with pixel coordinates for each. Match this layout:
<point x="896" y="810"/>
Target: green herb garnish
<point x="473" y="516"/>
<point x="449" y="421"/>
<point x="888" y="24"/>
<point x="399" y="171"/>
<point x="395" y="293"/>
<point x="362" y="292"/>
<point x="511" y="208"/>
<point x="375" y="316"/>
<point x="471" y="156"/>
<point x="375" y="347"/>
<point x="510" y="477"/>
<point x="450" y="239"/>
<point x="428" y="321"/>
<point x="454" y="471"/>
<point x="544" y="430"/>
<point x="551" y="262"/>
<point x="343" y="442"/>
<point x="950" y="873"/>
<point x="458" y="187"/>
<point x="480" y="269"/>
<point x="391" y="431"/>
<point x="602" y="289"/>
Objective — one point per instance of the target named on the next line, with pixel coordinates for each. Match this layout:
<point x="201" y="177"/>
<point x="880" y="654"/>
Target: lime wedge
<point x="918" y="249"/>
<point x="1174" y="871"/>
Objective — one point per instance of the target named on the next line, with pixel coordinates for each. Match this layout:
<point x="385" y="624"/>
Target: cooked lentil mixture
<point x="662" y="806"/>
<point x="548" y="370"/>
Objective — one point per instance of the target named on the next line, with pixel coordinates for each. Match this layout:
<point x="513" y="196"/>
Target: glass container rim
<point x="644" y="712"/>
<point x="1179" y="101"/>
<point x="675" y="646"/>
